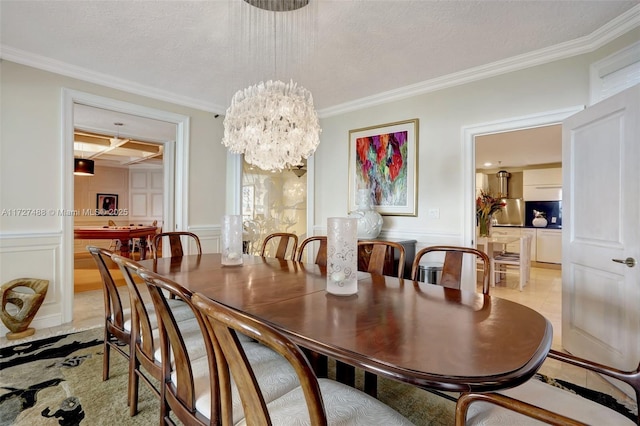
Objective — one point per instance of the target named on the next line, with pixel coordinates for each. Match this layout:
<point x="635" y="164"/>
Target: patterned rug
<point x="58" y="381"/>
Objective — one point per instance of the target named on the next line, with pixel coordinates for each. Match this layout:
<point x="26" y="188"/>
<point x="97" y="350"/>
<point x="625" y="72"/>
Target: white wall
<point x="31" y="164"/>
<point x="442" y="115"/>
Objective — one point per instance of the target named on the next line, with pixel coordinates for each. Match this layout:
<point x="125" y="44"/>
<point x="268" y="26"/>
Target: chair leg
<point x="345" y="373"/>
<point x="371" y="384"/>
<point x="133" y="385"/>
<point x="106" y="357"/>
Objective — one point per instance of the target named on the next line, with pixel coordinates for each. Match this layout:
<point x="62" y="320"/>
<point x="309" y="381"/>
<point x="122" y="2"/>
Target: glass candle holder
<point x="231" y="240"/>
<point x="342" y="256"/>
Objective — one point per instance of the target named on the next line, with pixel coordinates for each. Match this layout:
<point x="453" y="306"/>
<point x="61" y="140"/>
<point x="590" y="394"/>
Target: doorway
<point x="128" y="152"/>
<point x="175" y="162"/>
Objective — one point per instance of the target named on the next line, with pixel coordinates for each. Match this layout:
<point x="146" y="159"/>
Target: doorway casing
<point x="176" y="156"/>
<point x="469" y="134"/>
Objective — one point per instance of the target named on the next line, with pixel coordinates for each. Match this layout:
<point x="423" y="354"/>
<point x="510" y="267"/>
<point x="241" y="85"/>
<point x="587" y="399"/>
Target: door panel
<point x="600" y="298"/>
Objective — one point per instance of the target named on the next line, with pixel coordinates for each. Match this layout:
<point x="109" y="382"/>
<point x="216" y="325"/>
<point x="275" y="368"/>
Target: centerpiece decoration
<point x="486" y="206"/>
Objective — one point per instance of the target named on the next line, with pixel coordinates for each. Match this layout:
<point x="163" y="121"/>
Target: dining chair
<point x="145" y="360"/>
<point x="314" y="401"/>
<point x="452" y="266"/>
<point x="511" y="262"/>
<point x="537" y="400"/>
<point x="117" y="330"/>
<point x="175" y="242"/>
<point x="321" y="254"/>
<point x="377" y="257"/>
<point x="191" y="384"/>
<point x="283" y="241"/>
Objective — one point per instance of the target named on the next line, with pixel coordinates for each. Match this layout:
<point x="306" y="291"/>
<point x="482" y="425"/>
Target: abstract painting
<point x="384" y="160"/>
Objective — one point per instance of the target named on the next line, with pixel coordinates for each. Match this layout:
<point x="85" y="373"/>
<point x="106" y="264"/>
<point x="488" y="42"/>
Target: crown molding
<point x="603" y="35"/>
<point x="47" y="64"/>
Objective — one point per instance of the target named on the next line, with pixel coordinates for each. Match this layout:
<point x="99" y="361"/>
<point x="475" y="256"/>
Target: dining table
<point x="122" y="233"/>
<point x="430" y="336"/>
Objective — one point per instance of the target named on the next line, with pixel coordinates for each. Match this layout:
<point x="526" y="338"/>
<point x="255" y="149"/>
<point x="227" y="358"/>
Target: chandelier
<point x="274" y="124"/>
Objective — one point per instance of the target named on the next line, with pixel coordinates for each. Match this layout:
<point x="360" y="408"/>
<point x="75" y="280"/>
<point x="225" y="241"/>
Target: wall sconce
<point x="82" y="167"/>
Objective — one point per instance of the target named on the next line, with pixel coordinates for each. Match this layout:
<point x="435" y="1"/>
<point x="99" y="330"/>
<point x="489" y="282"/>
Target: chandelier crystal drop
<point x="274" y="124"/>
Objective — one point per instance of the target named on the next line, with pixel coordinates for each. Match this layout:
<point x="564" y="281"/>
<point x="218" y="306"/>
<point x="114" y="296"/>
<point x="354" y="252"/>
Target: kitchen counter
<point x="550" y="226"/>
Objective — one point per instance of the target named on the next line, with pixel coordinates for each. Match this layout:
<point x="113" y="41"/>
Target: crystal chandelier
<point x="274" y="124"/>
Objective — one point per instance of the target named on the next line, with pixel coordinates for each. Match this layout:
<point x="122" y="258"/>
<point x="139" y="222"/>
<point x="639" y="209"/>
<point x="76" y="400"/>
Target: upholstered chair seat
<point x="551" y="398"/>
<point x="274" y="374"/>
<point x="344" y="405"/>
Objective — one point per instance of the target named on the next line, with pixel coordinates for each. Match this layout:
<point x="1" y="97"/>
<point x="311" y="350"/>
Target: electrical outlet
<point x="553" y="219"/>
<point x="434" y="213"/>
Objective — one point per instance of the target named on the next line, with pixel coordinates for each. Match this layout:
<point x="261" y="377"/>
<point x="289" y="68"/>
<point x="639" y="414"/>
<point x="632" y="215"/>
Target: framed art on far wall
<point x="107" y="205"/>
<point x="384" y="158"/>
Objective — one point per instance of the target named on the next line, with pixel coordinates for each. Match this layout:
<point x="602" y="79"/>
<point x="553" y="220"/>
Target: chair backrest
<point x="111" y="223"/>
<point x="522" y="260"/>
<point x="175" y="242"/>
<point x="222" y="324"/>
<point x="283" y="239"/>
<point x="180" y="394"/>
<point x="321" y="256"/>
<point x="141" y="325"/>
<point x="452" y="266"/>
<point x="380" y="256"/>
<point x="113" y="308"/>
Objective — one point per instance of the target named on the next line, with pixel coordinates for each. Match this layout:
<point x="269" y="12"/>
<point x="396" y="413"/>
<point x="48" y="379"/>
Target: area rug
<point x="58" y="381"/>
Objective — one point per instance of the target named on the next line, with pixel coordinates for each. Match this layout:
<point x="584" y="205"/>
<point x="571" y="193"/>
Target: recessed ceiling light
<point x="488" y="164"/>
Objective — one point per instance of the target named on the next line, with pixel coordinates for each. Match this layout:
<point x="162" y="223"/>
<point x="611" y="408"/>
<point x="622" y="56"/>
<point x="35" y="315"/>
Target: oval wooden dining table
<point x="423" y="334"/>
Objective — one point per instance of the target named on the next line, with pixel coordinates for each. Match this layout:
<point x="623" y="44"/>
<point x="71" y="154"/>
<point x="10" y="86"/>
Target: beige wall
<point x="31" y="164"/>
<point x="443" y="114"/>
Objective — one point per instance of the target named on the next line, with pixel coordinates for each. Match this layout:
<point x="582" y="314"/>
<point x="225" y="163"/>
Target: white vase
<point x="369" y="220"/>
<point x="539" y="222"/>
<point x="231" y="240"/>
<point x="342" y="256"/>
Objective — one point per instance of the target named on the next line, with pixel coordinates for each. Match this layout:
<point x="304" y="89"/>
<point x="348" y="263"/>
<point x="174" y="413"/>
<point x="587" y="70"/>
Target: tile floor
<point x="543" y="293"/>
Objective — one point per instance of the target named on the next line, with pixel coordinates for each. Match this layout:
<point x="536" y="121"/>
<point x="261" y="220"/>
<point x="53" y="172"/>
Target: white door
<point x="601" y="181"/>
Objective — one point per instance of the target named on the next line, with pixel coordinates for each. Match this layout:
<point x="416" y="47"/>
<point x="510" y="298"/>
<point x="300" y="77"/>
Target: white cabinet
<point x="549" y="245"/>
<point x="542" y="184"/>
<point x="546" y="244"/>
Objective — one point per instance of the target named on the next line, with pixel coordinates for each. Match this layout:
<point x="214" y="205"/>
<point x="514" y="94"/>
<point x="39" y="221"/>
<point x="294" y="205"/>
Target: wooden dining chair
<point x="452" y="266"/>
<point x="175" y="242"/>
<point x="283" y="241"/>
<point x="145" y="356"/>
<point x="549" y="404"/>
<point x="518" y="263"/>
<point x="321" y="254"/>
<point x="191" y="384"/>
<point x="117" y="329"/>
<point x="314" y="401"/>
<point x="377" y="257"/>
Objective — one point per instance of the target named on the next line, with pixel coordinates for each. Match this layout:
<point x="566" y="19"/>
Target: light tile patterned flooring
<point x="543" y="294"/>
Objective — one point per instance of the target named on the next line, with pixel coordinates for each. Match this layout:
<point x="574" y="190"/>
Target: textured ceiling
<point x="346" y="52"/>
<point x="200" y="52"/>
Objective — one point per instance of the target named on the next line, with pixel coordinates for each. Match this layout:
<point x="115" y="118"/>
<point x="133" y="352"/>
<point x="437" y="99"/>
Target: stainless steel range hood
<point x="512" y="214"/>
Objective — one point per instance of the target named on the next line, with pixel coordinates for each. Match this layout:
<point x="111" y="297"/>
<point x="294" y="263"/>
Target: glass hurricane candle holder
<point x="231" y="240"/>
<point x="342" y="256"/>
